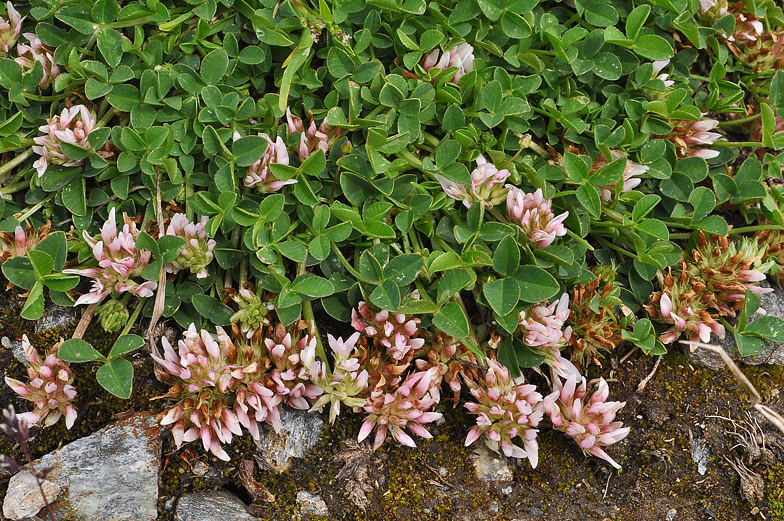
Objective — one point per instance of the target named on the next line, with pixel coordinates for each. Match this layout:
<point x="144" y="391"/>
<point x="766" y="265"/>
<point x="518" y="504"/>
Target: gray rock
<point x="700" y="453"/>
<point x="300" y="433"/>
<point x="671" y="513"/>
<point x="773" y="304"/>
<point x="26" y="497"/>
<point x="311" y="505"/>
<point x="211" y="506"/>
<point x="489" y="466"/>
<point x="56" y="316"/>
<point x="111" y="475"/>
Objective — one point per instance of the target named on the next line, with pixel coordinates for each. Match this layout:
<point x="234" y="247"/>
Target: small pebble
<point x="443" y="472"/>
<point x="507" y="490"/>
<point x="639" y="416"/>
<point x="671" y="513"/>
<point x="494" y="507"/>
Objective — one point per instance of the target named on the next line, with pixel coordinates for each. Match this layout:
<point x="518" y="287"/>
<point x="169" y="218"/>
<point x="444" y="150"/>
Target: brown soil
<point x="678" y="407"/>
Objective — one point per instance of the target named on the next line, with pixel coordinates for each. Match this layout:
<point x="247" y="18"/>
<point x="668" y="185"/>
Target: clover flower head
<point x="49" y="388"/>
<point x="20" y="242"/>
<point x="394" y="332"/>
<point x="460" y="56"/>
<point x="313" y="138"/>
<point x="712" y="10"/>
<point x="408" y="406"/>
<point x="10" y="29"/>
<point x="253" y="314"/>
<point x="534" y="214"/>
<point x="543" y="324"/>
<point x="588" y="420"/>
<point x="197" y="252"/>
<point x="291" y="358"/>
<point x="631" y="174"/>
<point x="506" y="408"/>
<point x="259" y="173"/>
<point x="487" y="185"/>
<point x="37" y="52"/>
<point x="686" y="135"/>
<point x="447" y="357"/>
<point x="113" y="315"/>
<point x="773" y="242"/>
<point x="119" y="262"/>
<point x="347" y="384"/>
<point x="72" y="126"/>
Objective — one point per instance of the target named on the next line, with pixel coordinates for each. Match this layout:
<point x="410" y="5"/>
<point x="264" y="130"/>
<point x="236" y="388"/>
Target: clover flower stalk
<point x="394" y="332"/>
<point x="72" y="126"/>
<point x="37" y="52"/>
<point x="534" y="214"/>
<point x="20" y="242"/>
<point x="487" y="185"/>
<point x="49" y="388"/>
<point x="588" y="420"/>
<point x="460" y="56"/>
<point x="346" y="385"/>
<point x="406" y="407"/>
<point x="10" y="29"/>
<point x="253" y="314"/>
<point x="197" y="252"/>
<point x="119" y="262"/>
<point x="506" y="408"/>
<point x="259" y="173"/>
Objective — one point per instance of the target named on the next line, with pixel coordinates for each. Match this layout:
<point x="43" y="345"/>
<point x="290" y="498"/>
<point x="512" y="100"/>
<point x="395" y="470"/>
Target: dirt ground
<point x="682" y="415"/>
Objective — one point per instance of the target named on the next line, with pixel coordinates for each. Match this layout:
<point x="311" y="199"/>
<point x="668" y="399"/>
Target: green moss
<point x="775" y="491"/>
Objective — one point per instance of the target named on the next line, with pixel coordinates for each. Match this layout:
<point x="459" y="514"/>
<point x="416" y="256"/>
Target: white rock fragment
<point x="26" y="500"/>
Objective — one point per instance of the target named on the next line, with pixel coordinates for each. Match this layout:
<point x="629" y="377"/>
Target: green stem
<point x="134" y="316"/>
<point x="30" y="211"/>
<point x="743" y="121"/>
<point x="54" y="97"/>
<point x="471" y="333"/>
<point x="106" y="118"/>
<point x="758" y="228"/>
<point x="307" y="312"/>
<point x="410" y="158"/>
<point x="13" y="188"/>
<point x="579" y="239"/>
<point x="607" y="244"/>
<point x="346" y="264"/>
<point x="737" y="144"/>
<point x="18" y="160"/>
<point x="698" y="77"/>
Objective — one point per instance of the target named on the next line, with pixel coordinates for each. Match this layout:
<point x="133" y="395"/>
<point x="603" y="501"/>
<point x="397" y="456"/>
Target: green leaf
<point x="10" y="73"/>
<point x="214" y="66"/>
<point x="506" y="258"/>
<point x="124" y="345"/>
<point x="767" y="327"/>
<point x="748" y="345"/>
<point x="607" y="66"/>
<point x="636" y="20"/>
<point x="77" y="350"/>
<point x="403" y="269"/>
<point x="249" y="149"/>
<point x="34" y="305"/>
<point x="293" y="250"/>
<point x="19" y="271"/>
<point x="60" y="282"/>
<point x="123" y="97"/>
<point x="502" y="295"/>
<point x="110" y="44"/>
<point x="508" y="358"/>
<point x="386" y="295"/>
<point x="653" y="47"/>
<point x="703" y="201"/>
<point x="589" y="199"/>
<point x="525" y="356"/>
<point x="312" y="286"/>
<point x="105" y="11"/>
<point x="116" y="377"/>
<point x="453" y="281"/>
<point x="451" y="320"/>
<point x="536" y="284"/>
<point x="41" y="261"/>
<point x="74" y="196"/>
<point x="212" y="309"/>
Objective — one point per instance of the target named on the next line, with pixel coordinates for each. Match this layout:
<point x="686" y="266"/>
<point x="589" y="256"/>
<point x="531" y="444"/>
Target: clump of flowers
<point x="446" y="356"/>
<point x="729" y="268"/>
<point x="773" y="242"/>
<point x="408" y="406"/>
<point x="460" y="56"/>
<point x="10" y="29"/>
<point x="72" y="126"/>
<point x="119" y="262"/>
<point x="36" y="51"/>
<point x="197" y="252"/>
<point x="631" y="175"/>
<point x="595" y="326"/>
<point x="203" y="372"/>
<point x="686" y="135"/>
<point x="347" y="383"/>
<point x="394" y="332"/>
<point x="534" y="214"/>
<point x="487" y="185"/>
<point x="253" y="314"/>
<point x="506" y="408"/>
<point x="17" y="244"/>
<point x="588" y="420"/>
<point x="314" y="138"/>
<point x="259" y="174"/>
<point x="49" y="388"/>
<point x="543" y="327"/>
<point x="680" y="303"/>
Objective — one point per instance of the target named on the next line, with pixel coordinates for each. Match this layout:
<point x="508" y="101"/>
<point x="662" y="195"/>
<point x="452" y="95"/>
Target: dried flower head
<point x="595" y="326"/>
<point x="197" y="252"/>
<point x="119" y="262"/>
<point x="773" y="242"/>
<point x="534" y="214"/>
<point x="49" y="388"/>
<point x="506" y="408"/>
<point x="589" y="421"/>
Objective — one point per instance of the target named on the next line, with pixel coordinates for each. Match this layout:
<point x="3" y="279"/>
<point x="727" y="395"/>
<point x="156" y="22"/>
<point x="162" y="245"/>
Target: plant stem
<point x="607" y="244"/>
<point x="737" y="144"/>
<point x="743" y="121"/>
<point x="32" y="210"/>
<point x="84" y="322"/>
<point x="134" y="316"/>
<point x="18" y="160"/>
<point x="307" y="313"/>
<point x="346" y="264"/>
<point x="758" y="228"/>
<point x="37" y="480"/>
